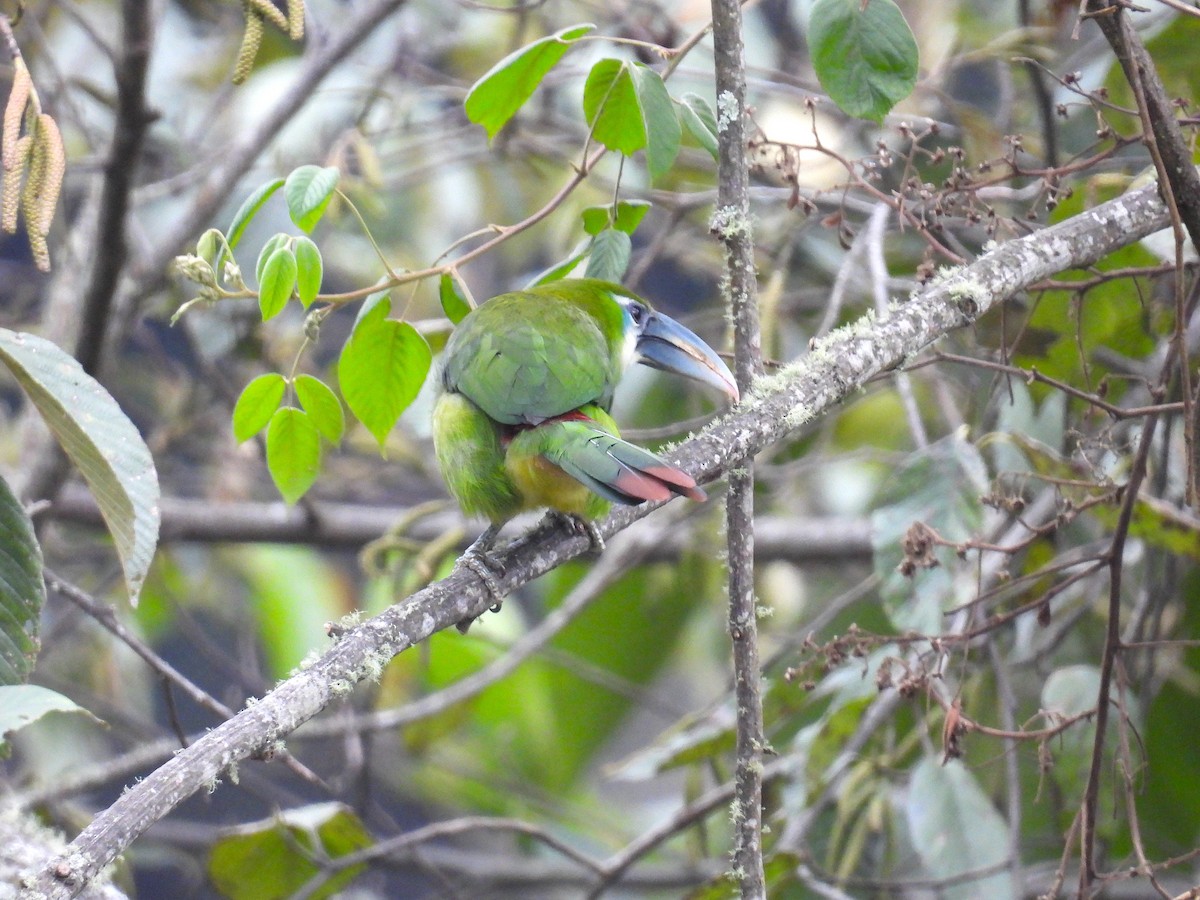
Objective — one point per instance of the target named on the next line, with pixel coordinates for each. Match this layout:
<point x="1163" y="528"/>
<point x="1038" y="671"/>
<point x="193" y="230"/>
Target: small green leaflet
<point x="273" y="243"/>
<point x="628" y="108"/>
<point x="22" y="591"/>
<point x="496" y="97"/>
<point x="309" y="270"/>
<point x="700" y="121"/>
<point x="561" y="270"/>
<point x="322" y="405"/>
<point x="293" y="452"/>
<point x="249" y="208"/>
<point x="628" y="216"/>
<point x="308" y="191"/>
<point x="256" y="404"/>
<point x="381" y="370"/>
<point x="277" y="283"/>
<point x="455" y="303"/>
<point x="864" y="54"/>
<point x="610" y="255"/>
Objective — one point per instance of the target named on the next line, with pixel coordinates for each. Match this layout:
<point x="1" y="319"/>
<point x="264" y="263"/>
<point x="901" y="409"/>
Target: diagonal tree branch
<point x="837" y="366"/>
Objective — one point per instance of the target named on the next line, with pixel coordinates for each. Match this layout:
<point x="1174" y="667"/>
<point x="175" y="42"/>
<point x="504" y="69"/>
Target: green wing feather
<point x="610" y="467"/>
<point x="531" y="355"/>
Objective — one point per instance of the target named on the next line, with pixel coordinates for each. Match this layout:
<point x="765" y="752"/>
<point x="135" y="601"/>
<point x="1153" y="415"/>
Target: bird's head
<point x="656" y="340"/>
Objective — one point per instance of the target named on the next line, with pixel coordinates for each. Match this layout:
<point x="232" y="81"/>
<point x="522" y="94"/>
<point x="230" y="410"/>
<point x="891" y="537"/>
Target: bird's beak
<point x="667" y="345"/>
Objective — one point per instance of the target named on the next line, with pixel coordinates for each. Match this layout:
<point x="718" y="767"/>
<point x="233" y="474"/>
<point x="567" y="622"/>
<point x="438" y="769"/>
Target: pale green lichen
<point x="728" y="110"/>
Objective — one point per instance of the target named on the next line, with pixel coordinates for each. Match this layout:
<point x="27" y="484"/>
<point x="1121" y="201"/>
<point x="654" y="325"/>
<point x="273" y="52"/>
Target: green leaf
<point x="308" y="191"/>
<point x="273" y="243"/>
<point x="864" y="54"/>
<point x="256" y="404"/>
<point x="612" y="108"/>
<point x="663" y="133"/>
<point x="275" y="858"/>
<point x="496" y="97"/>
<point x="939" y="486"/>
<point x="596" y="219"/>
<point x="22" y="591"/>
<point x="249" y="208"/>
<point x="610" y="255"/>
<point x="454" y="301"/>
<point x="559" y="271"/>
<point x="101" y="441"/>
<point x="309" y="270"/>
<point x="700" y="121"/>
<point x="322" y="404"/>
<point x="374" y="309"/>
<point x="277" y="283"/>
<point x="956" y="829"/>
<point x="293" y="452"/>
<point x="628" y="215"/>
<point x="381" y="369"/>
<point x="24" y="704"/>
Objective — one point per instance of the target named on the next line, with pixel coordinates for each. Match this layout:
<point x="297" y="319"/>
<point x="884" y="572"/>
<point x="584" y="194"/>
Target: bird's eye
<point x="637" y="313"/>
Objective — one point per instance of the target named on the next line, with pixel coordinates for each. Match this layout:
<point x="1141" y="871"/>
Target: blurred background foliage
<point x="619" y="717"/>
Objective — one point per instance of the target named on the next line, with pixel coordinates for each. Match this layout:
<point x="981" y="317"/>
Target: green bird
<point x="522" y="420"/>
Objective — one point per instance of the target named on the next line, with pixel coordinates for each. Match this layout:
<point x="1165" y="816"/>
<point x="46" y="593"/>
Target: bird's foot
<point x="582" y="526"/>
<point x="487" y="567"/>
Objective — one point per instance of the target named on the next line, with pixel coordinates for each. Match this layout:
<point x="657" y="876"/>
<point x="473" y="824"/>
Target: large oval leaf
<point x="101" y="441"/>
<point x="957" y="830"/>
<point x="381" y="370"/>
<point x="22" y="591"/>
<point x="864" y="54"/>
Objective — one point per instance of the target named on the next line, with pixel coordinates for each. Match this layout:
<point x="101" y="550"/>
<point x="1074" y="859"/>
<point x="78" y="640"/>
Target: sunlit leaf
<point x="381" y="370"/>
<point x="496" y="97"/>
<point x="277" y="283"/>
<point x="293" y="452"/>
<point x="308" y="191"/>
<point x="612" y="108"/>
<point x="249" y="208"/>
<point x="322" y="404"/>
<point x="256" y="404"/>
<point x="100" y="440"/>
<point x="864" y="54"/>
<point x="453" y="299"/>
<point x="309" y="270"/>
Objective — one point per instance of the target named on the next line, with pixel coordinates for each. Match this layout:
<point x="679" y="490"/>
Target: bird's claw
<point x="478" y="560"/>
<point x="582" y="526"/>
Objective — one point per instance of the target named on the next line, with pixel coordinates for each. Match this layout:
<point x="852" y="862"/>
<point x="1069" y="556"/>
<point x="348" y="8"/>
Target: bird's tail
<point x="615" y="469"/>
